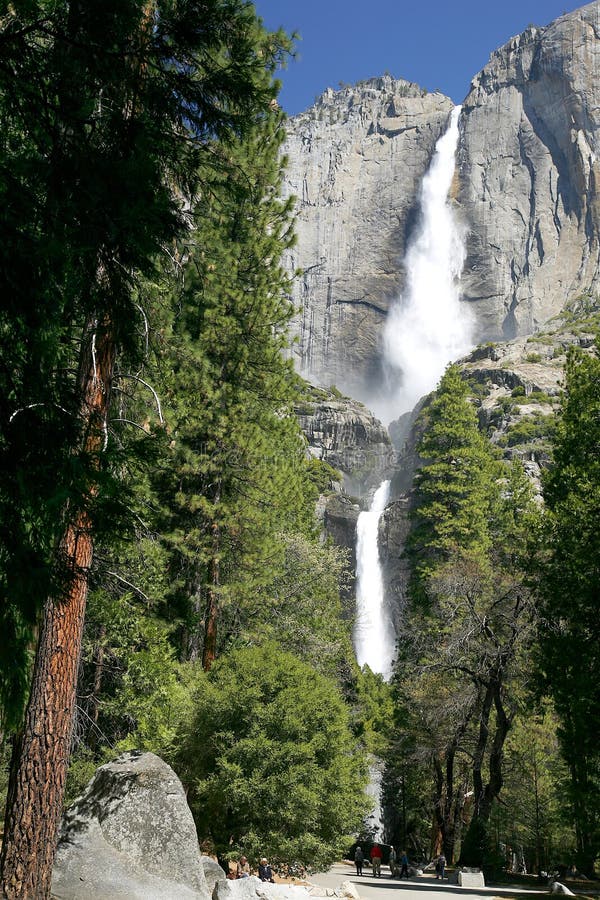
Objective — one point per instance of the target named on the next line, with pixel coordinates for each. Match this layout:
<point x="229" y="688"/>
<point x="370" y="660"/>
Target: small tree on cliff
<point x="105" y="110"/>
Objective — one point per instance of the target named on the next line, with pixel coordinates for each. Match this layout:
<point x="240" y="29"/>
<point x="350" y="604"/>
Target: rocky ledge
<point x="345" y="434"/>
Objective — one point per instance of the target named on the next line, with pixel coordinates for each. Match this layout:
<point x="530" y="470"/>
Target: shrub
<point x="271" y="764"/>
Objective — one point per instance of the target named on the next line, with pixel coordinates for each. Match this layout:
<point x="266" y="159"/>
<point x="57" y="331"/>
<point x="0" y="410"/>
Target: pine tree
<point x="106" y="111"/>
<point x="470" y="619"/>
<point x="570" y="573"/>
<point x="235" y="478"/>
<point x="454" y="488"/>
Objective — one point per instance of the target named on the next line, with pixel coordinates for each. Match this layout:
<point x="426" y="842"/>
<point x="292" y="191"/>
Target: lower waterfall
<point x="374" y="636"/>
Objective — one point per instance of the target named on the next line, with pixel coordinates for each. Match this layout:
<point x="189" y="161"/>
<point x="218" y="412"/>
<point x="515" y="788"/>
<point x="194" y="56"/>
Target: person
<point x="440" y="866"/>
<point x="392" y="861"/>
<point x="243" y="868"/>
<point x="265" y="872"/>
<point x="404" y="864"/>
<point x="376" y="856"/>
<point x="358" y="859"/>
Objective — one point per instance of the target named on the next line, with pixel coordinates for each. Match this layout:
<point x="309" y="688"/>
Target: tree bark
<point x="41" y="754"/>
<point x="209" y="650"/>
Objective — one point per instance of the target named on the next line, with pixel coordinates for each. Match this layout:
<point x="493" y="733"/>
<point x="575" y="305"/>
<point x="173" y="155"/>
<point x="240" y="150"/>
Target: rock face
<point x="356" y="159"/>
<point x="516" y="391"/>
<point x="345" y="434"/>
<point x="130" y="835"/>
<point x="529" y="176"/>
<point x="527" y="188"/>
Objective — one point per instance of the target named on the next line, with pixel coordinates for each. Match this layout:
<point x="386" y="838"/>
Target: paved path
<point x="425" y="887"/>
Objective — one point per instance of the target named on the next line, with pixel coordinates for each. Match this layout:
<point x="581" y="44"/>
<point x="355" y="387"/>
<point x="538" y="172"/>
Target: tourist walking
<point x="376" y="857"/>
<point x="359" y="859"/>
<point x="440" y="866"/>
<point x="392" y="862"/>
<point x="404" y="864"/>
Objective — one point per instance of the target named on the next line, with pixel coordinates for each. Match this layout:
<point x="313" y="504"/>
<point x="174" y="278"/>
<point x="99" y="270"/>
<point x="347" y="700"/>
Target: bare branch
<point x="150" y="388"/>
<point x="33" y="405"/>
<point x="132" y="586"/>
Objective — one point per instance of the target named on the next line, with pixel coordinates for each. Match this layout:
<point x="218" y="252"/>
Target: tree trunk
<point x="209" y="650"/>
<point x="479" y="754"/>
<point x="495" y="779"/>
<point x="41" y="755"/>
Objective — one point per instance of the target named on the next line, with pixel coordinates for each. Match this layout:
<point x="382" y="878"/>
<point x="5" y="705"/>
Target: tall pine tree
<point x="106" y="110"/>
<point x="570" y="634"/>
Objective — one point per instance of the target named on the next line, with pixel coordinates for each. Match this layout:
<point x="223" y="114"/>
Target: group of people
<point x="265" y="873"/>
<point x="376" y="857"/>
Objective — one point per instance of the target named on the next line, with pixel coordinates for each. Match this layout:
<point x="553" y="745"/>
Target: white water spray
<point x="428" y="326"/>
<point x="374" y="637"/>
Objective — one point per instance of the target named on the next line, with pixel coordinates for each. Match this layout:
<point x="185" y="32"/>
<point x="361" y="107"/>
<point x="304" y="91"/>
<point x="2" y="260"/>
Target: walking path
<point x="423" y="887"/>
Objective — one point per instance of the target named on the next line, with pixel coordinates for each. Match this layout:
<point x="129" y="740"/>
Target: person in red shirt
<point x="376" y="856"/>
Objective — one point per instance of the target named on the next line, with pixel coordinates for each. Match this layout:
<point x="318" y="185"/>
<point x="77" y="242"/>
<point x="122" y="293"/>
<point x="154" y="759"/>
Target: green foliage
<point x="375" y="711"/>
<point x="532" y="814"/>
<point x="270" y="760"/>
<point x="569" y="580"/>
<point x="531" y="429"/>
<point x="301" y="607"/>
<point x="143" y="699"/>
<point x="455" y="486"/>
<point x="106" y="123"/>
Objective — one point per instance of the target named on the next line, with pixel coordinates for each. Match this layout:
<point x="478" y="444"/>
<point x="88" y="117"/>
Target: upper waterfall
<point x="428" y="326"/>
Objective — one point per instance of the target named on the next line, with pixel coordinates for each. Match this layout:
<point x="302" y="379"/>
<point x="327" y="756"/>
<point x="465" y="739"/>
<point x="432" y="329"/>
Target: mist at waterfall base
<point x="374" y="635"/>
<point x="428" y="326"/>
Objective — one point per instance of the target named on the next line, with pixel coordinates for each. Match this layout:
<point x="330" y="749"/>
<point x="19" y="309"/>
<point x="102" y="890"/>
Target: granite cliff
<point x="356" y="159"/>
<point x="526" y="187"/>
<point x="529" y="175"/>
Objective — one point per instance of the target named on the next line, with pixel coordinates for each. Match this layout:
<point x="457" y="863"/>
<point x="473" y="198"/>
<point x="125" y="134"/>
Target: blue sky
<point x="440" y="44"/>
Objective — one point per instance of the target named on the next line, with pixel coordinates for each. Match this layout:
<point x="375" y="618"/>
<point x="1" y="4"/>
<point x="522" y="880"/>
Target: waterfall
<point x="374" y="637"/>
<point x="426" y="329"/>
<point x="428" y="326"/>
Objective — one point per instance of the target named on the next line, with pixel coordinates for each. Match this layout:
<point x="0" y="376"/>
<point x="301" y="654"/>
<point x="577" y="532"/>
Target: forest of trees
<point x="493" y="755"/>
<point x="165" y="583"/>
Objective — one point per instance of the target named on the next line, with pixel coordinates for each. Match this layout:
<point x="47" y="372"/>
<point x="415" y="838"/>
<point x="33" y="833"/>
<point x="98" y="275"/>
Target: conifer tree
<point x="454" y="488"/>
<point x="570" y="574"/>
<point x="106" y="110"/>
<point x="470" y="616"/>
<point x="235" y="478"/>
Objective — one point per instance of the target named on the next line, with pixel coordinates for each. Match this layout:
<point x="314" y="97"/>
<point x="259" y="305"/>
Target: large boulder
<point x="130" y="835"/>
